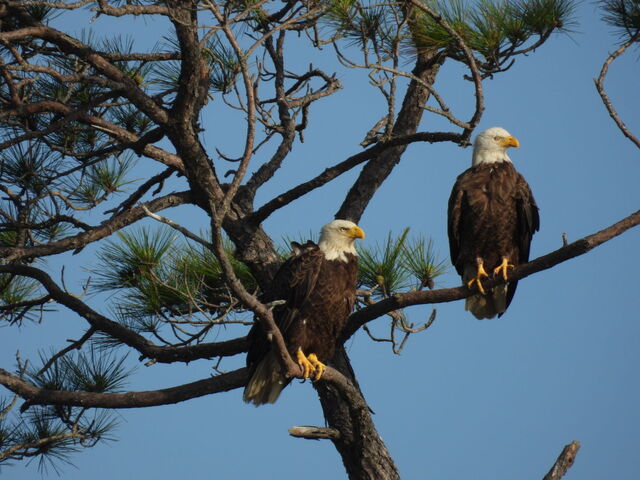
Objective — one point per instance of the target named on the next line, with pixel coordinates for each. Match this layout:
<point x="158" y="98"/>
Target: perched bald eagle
<point x="492" y="217"/>
<point x="318" y="283"/>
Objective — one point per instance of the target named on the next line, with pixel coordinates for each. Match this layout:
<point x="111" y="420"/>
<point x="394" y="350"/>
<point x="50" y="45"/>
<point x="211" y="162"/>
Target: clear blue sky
<point x="493" y="400"/>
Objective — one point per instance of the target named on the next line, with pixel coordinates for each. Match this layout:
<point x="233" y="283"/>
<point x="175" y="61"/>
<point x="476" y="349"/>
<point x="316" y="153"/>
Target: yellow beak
<point x="356" y="232"/>
<point x="510" y="142"/>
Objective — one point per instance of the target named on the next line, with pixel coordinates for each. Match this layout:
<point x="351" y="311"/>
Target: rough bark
<point x="363" y="453"/>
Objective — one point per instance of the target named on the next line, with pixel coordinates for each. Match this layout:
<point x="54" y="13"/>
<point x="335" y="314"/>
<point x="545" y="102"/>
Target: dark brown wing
<point x="293" y="282"/>
<point x="454" y="215"/>
<point x="528" y="223"/>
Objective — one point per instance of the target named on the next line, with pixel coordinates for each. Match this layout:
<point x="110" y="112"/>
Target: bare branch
<point x="75" y="345"/>
<point x="603" y="94"/>
<point x="314" y="433"/>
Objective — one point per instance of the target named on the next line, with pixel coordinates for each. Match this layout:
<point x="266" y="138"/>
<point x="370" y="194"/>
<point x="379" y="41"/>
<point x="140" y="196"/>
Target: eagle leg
<point x="319" y="366"/>
<point x="502" y="268"/>
<point x="480" y="273"/>
<point x="307" y="367"/>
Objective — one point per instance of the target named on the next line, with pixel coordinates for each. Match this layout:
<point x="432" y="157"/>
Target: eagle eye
<point x="497" y="138"/>
<point x="343" y="229"/>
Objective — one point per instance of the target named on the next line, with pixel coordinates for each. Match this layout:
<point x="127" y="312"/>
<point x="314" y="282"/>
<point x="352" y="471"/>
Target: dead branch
<point x="564" y="461"/>
<point x="314" y="433"/>
<point x="603" y="94"/>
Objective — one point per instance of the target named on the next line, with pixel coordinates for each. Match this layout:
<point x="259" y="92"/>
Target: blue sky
<point x="467" y="399"/>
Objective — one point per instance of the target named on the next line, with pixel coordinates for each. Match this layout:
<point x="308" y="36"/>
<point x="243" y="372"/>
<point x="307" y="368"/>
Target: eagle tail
<point x="489" y="305"/>
<point x="266" y="383"/>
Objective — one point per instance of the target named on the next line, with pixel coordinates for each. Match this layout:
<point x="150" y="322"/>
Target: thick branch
<point x="353" y="161"/>
<point x="363" y="452"/>
<point x="129" y="337"/>
<point x="149" y="398"/>
<point x="401" y="300"/>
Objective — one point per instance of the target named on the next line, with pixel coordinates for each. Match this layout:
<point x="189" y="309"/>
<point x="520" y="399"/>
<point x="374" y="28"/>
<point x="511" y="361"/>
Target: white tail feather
<point x="489" y="305"/>
<point x="266" y="383"/>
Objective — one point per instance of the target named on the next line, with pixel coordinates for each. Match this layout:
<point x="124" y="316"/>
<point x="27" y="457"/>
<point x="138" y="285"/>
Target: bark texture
<point x="363" y="453"/>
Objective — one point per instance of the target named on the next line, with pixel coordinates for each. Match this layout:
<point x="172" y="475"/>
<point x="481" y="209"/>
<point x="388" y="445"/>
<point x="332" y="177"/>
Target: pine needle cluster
<point x="399" y="263"/>
<point x="51" y="434"/>
<point x="624" y="16"/>
<point x="163" y="281"/>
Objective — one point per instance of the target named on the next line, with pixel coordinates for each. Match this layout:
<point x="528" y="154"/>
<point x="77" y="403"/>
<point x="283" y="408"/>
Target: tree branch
<point x="150" y="398"/>
<point x="564" y="461"/>
<point x="314" y="433"/>
<point x="353" y="161"/>
<point x="99" y="232"/>
<point x="603" y="94"/>
<point x="422" y="297"/>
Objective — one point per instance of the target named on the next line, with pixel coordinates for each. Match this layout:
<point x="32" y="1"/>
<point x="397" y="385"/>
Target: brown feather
<point x="319" y="296"/>
<point x="492" y="214"/>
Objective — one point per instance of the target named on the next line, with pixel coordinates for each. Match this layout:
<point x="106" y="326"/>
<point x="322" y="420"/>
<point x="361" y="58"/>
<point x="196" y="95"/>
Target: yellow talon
<point x="318" y="365"/>
<point x="477" y="280"/>
<point x="502" y="268"/>
<point x="307" y="366"/>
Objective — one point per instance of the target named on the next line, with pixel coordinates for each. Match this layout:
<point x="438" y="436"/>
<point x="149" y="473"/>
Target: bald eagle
<point x="318" y="283"/>
<point x="492" y="218"/>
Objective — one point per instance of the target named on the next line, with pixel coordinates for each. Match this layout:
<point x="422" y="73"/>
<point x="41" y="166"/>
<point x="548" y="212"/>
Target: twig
<point x="75" y="345"/>
<point x="177" y="227"/>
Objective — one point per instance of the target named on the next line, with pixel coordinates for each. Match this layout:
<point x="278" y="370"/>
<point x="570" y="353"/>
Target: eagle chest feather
<point x="486" y="205"/>
<point x="325" y="312"/>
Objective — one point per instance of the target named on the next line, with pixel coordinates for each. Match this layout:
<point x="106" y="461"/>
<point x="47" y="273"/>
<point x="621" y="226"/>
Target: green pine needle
<point x="381" y="268"/>
<point x="624" y="16"/>
<point x="420" y="258"/>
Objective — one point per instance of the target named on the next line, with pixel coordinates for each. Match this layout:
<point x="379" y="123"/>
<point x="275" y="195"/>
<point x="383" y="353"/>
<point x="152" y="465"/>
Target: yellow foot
<point x="502" y="268"/>
<point x="319" y="366"/>
<point x="477" y="280"/>
<point x="307" y="366"/>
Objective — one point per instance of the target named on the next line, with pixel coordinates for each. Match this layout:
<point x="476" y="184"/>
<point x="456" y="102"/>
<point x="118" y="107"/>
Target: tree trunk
<point x="364" y="454"/>
<point x="378" y="169"/>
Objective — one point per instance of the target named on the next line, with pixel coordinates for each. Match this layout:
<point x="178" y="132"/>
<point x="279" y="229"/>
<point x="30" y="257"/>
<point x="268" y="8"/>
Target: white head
<point x="338" y="237"/>
<point x="491" y="146"/>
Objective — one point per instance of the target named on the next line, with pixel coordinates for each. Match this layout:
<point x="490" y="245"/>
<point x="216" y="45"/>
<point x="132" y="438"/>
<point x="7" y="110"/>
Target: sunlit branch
<point x="421" y="297"/>
<point x="263" y="312"/>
